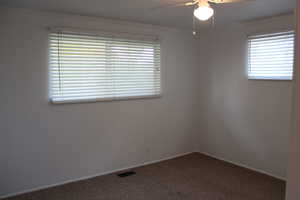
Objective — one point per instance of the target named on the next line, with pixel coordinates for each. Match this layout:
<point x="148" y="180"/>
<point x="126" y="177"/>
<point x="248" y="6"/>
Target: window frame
<point x="271" y="78"/>
<point x="102" y="33"/>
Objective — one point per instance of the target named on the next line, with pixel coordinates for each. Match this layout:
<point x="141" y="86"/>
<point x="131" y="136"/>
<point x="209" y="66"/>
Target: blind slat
<point x="271" y="56"/>
<point x="87" y="67"/>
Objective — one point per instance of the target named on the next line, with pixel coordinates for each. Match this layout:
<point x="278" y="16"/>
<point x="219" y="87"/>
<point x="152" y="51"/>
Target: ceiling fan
<point x="203" y="10"/>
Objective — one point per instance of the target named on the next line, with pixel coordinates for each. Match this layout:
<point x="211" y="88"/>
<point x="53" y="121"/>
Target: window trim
<point x="95" y="100"/>
<point x="102" y="33"/>
<point x="258" y="34"/>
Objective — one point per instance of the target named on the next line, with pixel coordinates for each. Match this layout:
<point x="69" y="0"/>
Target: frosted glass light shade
<point x="203" y="13"/>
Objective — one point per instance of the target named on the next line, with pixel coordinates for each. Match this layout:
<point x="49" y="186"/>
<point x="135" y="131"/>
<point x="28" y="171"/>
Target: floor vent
<point x="125" y="174"/>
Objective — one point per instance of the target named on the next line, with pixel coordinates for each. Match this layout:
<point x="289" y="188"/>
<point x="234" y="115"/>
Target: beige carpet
<point x="191" y="177"/>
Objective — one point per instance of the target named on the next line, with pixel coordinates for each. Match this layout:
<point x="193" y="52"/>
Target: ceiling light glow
<point x="203" y="12"/>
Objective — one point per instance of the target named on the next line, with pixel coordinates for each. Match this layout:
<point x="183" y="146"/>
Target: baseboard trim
<point x="138" y="165"/>
<point x="92" y="176"/>
<point x="244" y="166"/>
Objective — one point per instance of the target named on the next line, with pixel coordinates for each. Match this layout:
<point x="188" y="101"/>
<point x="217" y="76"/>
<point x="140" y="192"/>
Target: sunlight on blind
<point x="91" y="68"/>
<point x="271" y="56"/>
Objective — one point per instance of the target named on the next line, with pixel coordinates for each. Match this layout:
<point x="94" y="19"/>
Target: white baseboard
<point x="138" y="165"/>
<point x="244" y="166"/>
<point x="92" y="176"/>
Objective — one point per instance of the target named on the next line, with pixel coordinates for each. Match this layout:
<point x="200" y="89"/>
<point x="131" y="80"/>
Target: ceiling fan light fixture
<point x="203" y="12"/>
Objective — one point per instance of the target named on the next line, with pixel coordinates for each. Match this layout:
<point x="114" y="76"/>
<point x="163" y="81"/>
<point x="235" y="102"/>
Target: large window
<point x="91" y="68"/>
<point x="271" y="56"/>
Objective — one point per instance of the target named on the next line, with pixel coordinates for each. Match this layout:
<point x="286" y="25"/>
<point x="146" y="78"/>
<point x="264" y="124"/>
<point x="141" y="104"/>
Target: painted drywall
<point x="245" y="121"/>
<point x="44" y="144"/>
<point x="208" y="105"/>
<point x="293" y="179"/>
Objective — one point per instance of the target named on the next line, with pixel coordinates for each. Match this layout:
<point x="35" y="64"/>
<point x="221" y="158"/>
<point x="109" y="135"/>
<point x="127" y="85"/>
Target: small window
<point x="271" y="56"/>
<point x="91" y="68"/>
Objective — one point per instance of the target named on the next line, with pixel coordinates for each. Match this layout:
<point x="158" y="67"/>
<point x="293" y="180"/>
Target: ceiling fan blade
<point x="229" y="1"/>
<point x="191" y="3"/>
<point x="174" y="5"/>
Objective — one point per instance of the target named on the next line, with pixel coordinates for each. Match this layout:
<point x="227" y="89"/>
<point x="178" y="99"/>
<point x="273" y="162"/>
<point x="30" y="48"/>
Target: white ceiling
<point x="141" y="10"/>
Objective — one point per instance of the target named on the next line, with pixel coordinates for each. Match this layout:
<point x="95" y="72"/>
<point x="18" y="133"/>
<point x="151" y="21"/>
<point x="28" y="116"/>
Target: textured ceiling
<point x="141" y="10"/>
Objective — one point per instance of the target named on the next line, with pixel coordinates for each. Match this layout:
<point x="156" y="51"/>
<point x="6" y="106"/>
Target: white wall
<point x="293" y="179"/>
<point x="44" y="144"/>
<point x="245" y="121"/>
<point x="208" y="105"/>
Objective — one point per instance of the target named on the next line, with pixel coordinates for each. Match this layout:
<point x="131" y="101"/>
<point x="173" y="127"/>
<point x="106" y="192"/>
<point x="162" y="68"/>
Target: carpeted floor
<point x="191" y="177"/>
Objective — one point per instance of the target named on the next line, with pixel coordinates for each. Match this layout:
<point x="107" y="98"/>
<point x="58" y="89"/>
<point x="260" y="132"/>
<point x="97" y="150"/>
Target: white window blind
<point x="90" y="68"/>
<point x="271" y="56"/>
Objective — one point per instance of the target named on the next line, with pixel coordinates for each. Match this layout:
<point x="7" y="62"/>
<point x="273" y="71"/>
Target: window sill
<point x="268" y="79"/>
<point x="104" y="99"/>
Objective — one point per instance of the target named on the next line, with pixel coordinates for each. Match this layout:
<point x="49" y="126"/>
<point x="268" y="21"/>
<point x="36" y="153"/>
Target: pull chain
<point x="213" y="21"/>
<point x="194" y="26"/>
